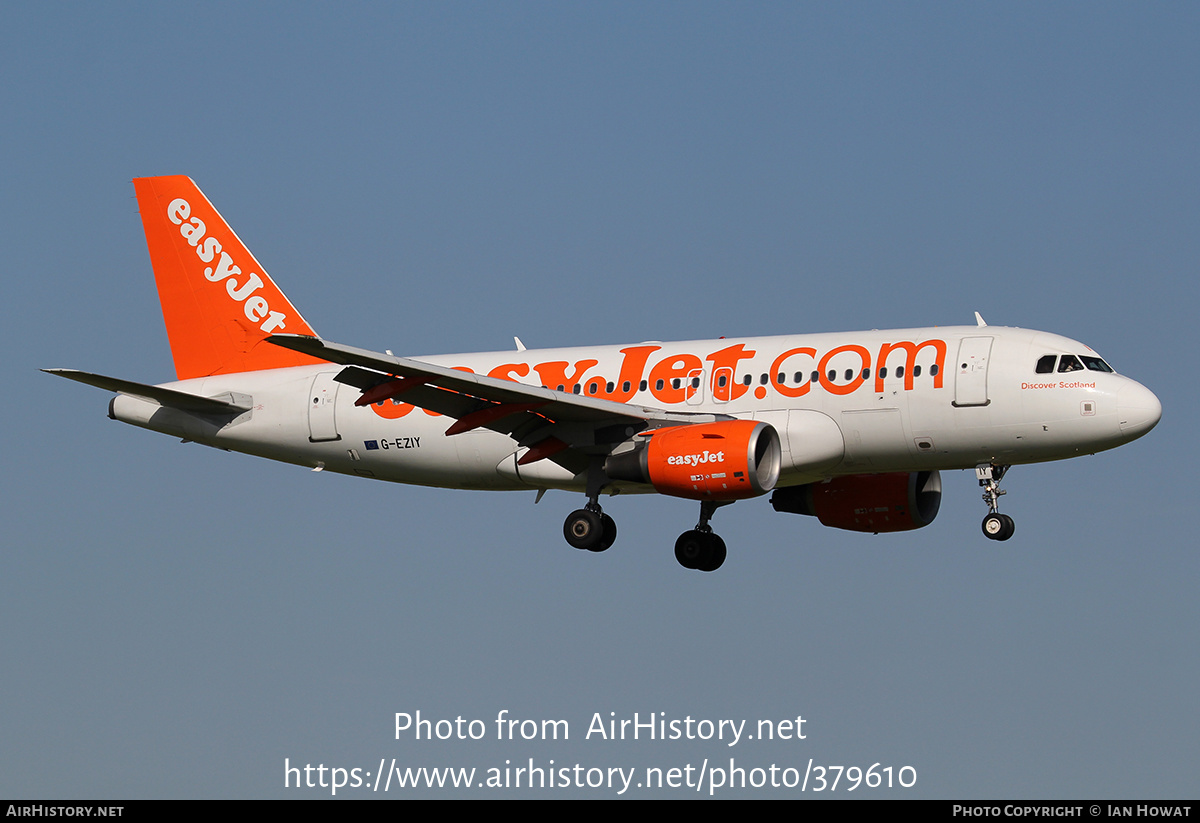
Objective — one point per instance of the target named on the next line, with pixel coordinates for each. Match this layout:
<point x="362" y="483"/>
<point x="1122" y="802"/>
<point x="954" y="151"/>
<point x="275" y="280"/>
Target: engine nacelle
<point x="726" y="460"/>
<point x="894" y="502"/>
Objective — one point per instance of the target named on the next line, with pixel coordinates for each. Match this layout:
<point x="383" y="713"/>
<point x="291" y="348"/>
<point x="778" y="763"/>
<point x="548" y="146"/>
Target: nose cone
<point x="1138" y="410"/>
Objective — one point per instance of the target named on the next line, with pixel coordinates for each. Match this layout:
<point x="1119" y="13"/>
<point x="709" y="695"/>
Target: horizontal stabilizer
<point x="156" y="394"/>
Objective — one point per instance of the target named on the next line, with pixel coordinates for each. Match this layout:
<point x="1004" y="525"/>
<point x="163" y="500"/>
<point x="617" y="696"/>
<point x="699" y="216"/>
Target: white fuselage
<point x="847" y="403"/>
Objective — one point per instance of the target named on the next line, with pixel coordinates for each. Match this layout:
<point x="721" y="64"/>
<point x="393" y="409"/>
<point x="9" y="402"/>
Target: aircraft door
<point x="322" y="408"/>
<point x="722" y="384"/>
<point x="970" y="383"/>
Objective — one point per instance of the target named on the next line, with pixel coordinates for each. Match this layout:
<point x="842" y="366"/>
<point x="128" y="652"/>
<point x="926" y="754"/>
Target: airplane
<point x="852" y="428"/>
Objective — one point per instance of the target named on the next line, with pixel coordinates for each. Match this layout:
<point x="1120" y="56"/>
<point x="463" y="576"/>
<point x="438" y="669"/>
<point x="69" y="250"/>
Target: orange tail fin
<point x="218" y="302"/>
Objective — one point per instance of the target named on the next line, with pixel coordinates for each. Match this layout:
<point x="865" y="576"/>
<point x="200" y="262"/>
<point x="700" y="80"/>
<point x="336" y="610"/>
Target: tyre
<point x="714" y="554"/>
<point x="689" y="549"/>
<point x="608" y="533"/>
<point x="584" y="530"/>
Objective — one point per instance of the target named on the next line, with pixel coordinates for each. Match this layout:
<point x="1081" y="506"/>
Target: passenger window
<point x="747" y="380"/>
<point x="762" y="381"/>
<point x="933" y="370"/>
<point x="625" y="386"/>
<point x="642" y="386"/>
<point x="610" y="387"/>
<point x="816" y="376"/>
<point x="799" y="377"/>
<point x="832" y="375"/>
<point x="1045" y="364"/>
<point x="883" y="373"/>
<point x="675" y="383"/>
<point x="849" y="375"/>
<point x="866" y="374"/>
<point x="899" y="371"/>
<point x="916" y="371"/>
<point x="781" y="378"/>
<point x="1069" y="362"/>
<point x="658" y="385"/>
<point x="721" y="381"/>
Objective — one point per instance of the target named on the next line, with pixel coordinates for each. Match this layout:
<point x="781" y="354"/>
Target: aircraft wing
<point x="563" y="426"/>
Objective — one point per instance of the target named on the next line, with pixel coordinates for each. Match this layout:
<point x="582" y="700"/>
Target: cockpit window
<point x="1045" y="365"/>
<point x="1069" y="362"/>
<point x="1095" y="364"/>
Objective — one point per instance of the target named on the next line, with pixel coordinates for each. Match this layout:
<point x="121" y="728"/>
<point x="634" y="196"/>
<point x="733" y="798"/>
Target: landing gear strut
<point x="701" y="548"/>
<point x="590" y="528"/>
<point x="996" y="526"/>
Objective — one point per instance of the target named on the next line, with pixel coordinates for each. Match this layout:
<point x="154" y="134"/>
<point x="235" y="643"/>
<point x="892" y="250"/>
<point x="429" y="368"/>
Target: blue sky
<point x="176" y="621"/>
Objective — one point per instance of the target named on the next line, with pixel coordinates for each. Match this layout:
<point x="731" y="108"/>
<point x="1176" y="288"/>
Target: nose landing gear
<point x="996" y="526"/>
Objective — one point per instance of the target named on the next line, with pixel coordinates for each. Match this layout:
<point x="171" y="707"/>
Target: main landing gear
<point x="701" y="548"/>
<point x="590" y="528"/>
<point x="996" y="526"/>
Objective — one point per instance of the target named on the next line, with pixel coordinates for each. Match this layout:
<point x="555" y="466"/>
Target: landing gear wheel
<point x="608" y="533"/>
<point x="714" y="556"/>
<point x="998" y="526"/>
<point x="700" y="550"/>
<point x="585" y="530"/>
<point x="1009" y="527"/>
<point x="689" y="548"/>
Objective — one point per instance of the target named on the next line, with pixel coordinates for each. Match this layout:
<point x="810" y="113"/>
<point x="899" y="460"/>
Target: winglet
<point x="979" y="319"/>
<point x="218" y="302"/>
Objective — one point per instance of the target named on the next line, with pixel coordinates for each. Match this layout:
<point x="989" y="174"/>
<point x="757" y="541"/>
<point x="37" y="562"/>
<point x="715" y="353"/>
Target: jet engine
<point x="726" y="460"/>
<point x="893" y="502"/>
